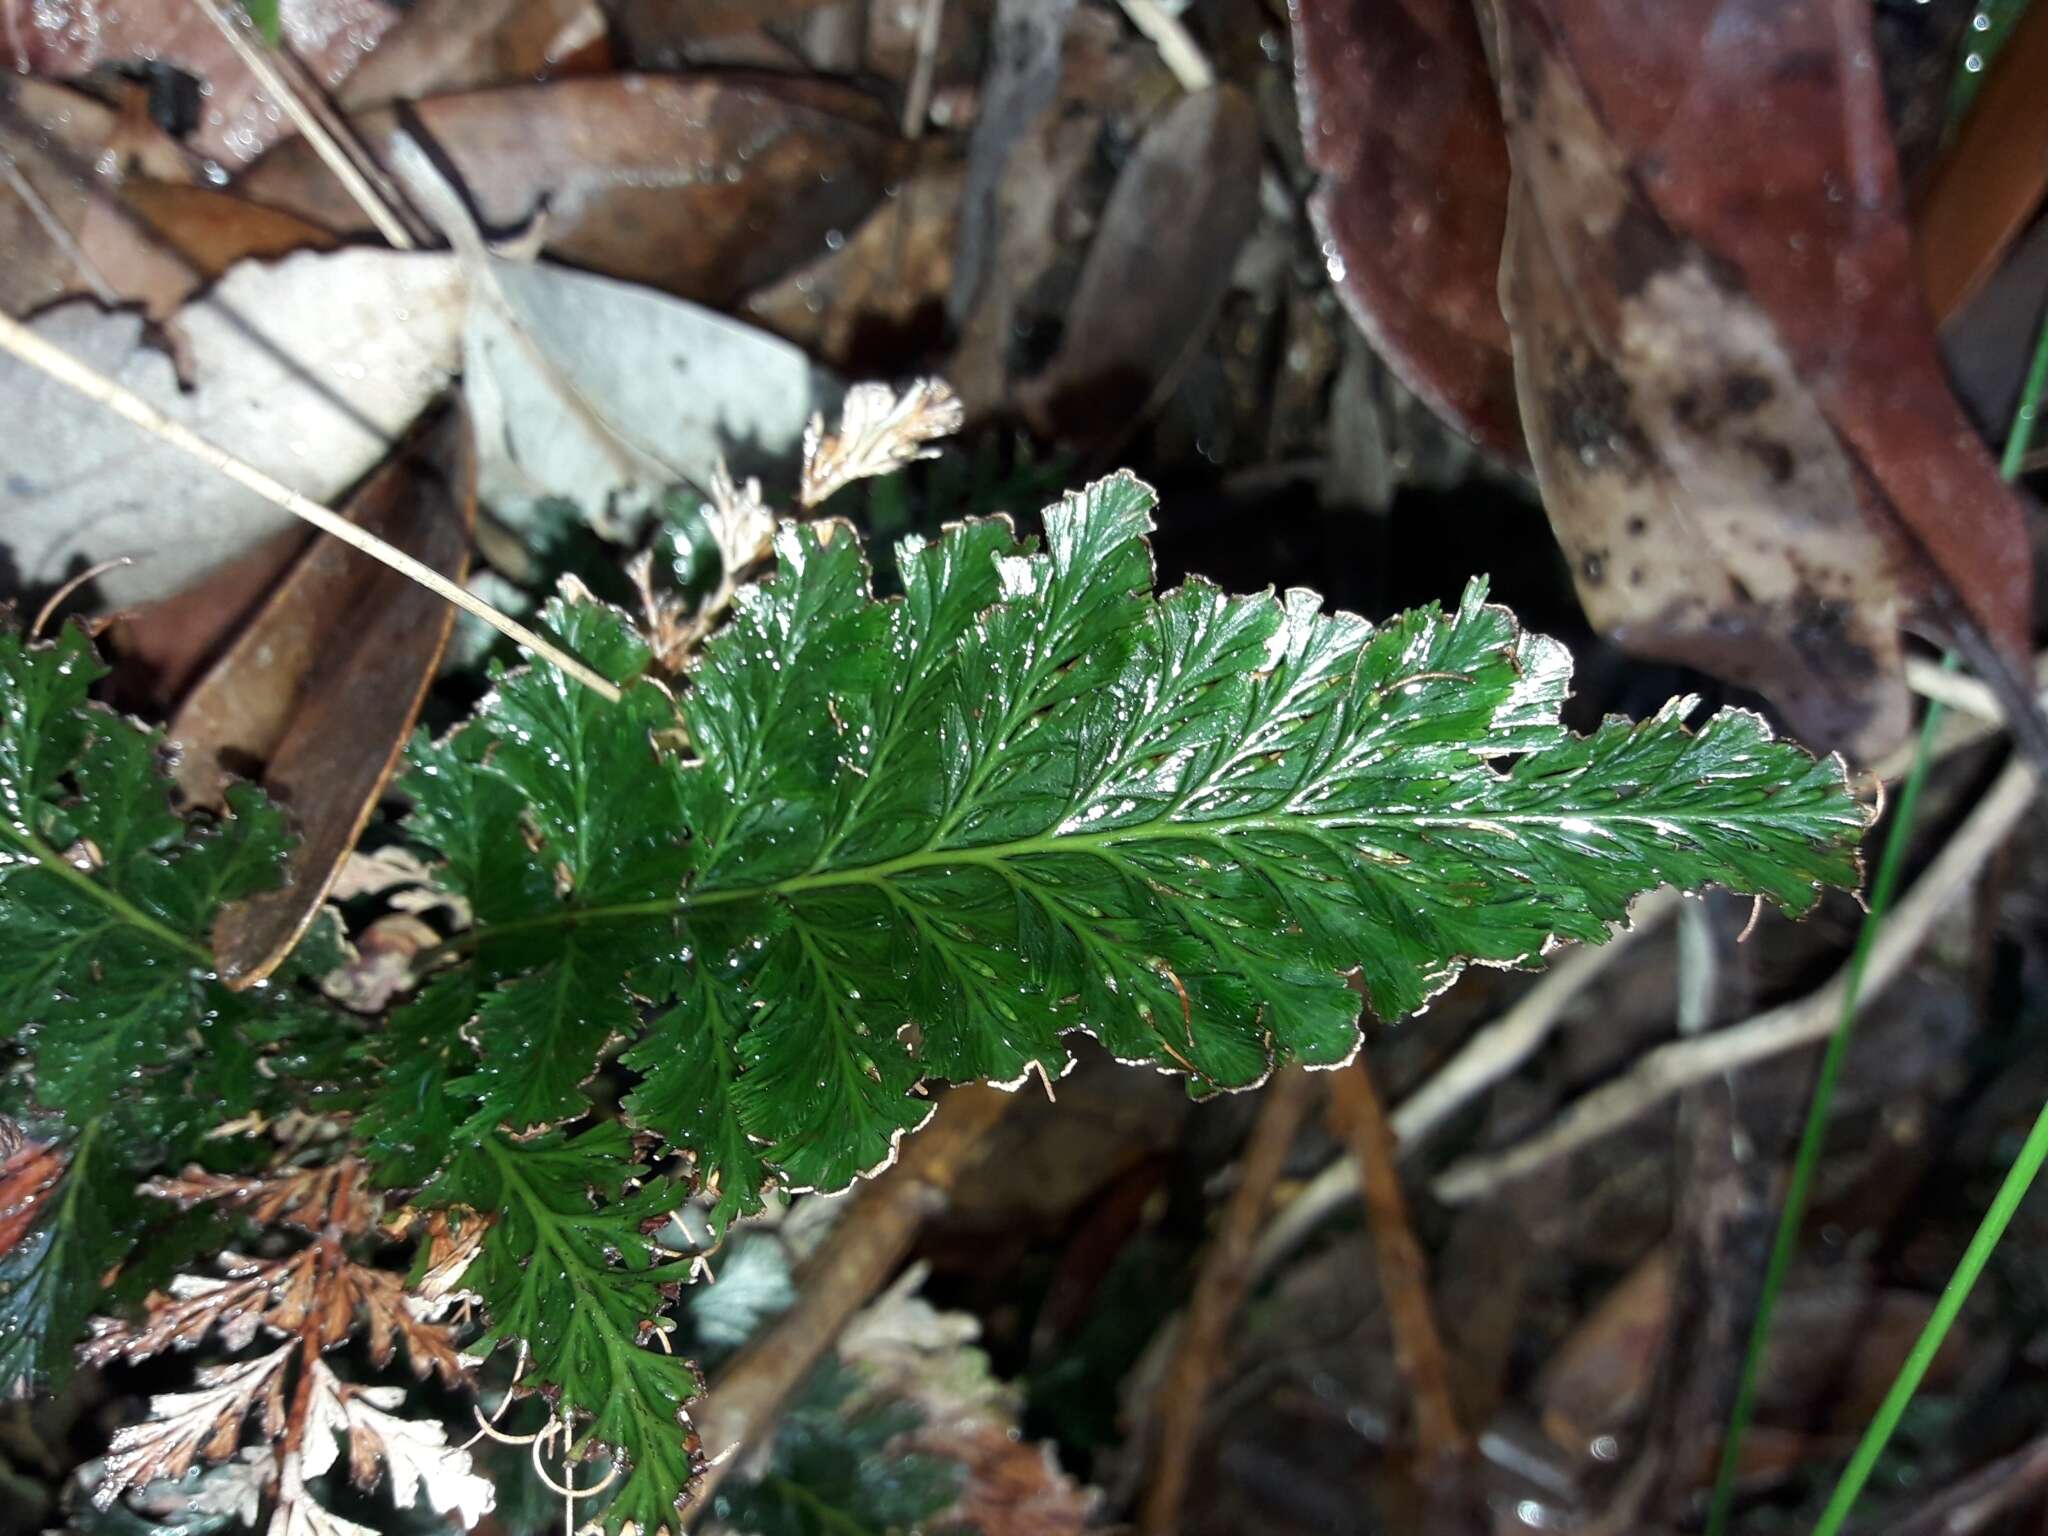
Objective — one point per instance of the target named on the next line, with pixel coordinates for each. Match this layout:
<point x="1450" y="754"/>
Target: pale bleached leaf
<point x="298" y="1513"/>
<point x="879" y="432"/>
<point x="415" y="1452"/>
<point x="184" y="1427"/>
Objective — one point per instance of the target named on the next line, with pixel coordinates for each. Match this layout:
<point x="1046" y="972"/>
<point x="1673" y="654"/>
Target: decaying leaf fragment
<point x="1722" y="361"/>
<point x="1399" y="119"/>
<point x="312" y="1300"/>
<point x="1707" y="510"/>
<point x="323" y="684"/>
<point x="1727" y="374"/>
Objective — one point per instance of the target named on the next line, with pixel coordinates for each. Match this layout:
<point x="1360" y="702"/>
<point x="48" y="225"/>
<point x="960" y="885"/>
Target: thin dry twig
<point x="917" y="103"/>
<point x="871" y="1242"/>
<point x="1358" y="1117"/>
<point x="53" y="228"/>
<point x="1968" y="1506"/>
<point x="1221" y="1284"/>
<point x="1178" y="50"/>
<point x="1489" y="1056"/>
<point x="347" y="160"/>
<point x="1807" y="1021"/>
<point x="66" y="369"/>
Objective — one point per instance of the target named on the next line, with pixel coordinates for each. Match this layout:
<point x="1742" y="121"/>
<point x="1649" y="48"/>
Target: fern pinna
<point x="859" y="844"/>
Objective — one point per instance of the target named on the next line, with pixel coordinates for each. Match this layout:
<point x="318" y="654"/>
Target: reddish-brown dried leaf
<point x="323" y="686"/>
<point x="388" y="1310"/>
<point x="1756" y="132"/>
<point x="27" y="1177"/>
<point x="463" y="45"/>
<point x="236" y="121"/>
<point x="1706" y="505"/>
<point x="705" y="188"/>
<point x="193" y="1308"/>
<point x="1992" y="179"/>
<point x="1399" y="118"/>
<point x="314" y="1200"/>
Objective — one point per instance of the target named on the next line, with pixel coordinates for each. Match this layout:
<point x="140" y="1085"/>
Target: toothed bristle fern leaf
<point x="107" y="982"/>
<point x="866" y="843"/>
<point x="857" y="845"/>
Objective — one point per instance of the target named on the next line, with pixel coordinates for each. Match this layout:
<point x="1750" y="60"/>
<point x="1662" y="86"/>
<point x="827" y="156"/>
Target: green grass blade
<point x="2018" y="1179"/>
<point x="1812" y="1137"/>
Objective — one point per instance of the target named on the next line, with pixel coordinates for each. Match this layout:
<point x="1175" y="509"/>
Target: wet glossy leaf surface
<point x="1028" y="799"/>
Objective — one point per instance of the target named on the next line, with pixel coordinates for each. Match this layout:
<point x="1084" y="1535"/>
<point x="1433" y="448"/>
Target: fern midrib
<point x="550" y="1234"/>
<point x="996" y="855"/>
<point x="113" y="901"/>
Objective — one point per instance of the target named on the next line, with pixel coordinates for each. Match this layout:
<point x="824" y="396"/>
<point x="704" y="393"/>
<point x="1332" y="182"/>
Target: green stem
<point x="995" y="856"/>
<point x="1792" y="1217"/>
<point x="1891" y="864"/>
<point x="55" y="863"/>
<point x="2011" y="1192"/>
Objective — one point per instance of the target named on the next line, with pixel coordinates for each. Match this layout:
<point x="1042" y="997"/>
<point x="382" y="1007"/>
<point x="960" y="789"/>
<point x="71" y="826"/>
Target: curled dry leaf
<point x="323" y="686"/>
<point x="380" y="963"/>
<point x="705" y="188"/>
<point x="1400" y="120"/>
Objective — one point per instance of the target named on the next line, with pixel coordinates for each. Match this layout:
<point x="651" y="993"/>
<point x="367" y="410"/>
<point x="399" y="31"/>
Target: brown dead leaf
<point x="1992" y="179"/>
<point x="1144" y="302"/>
<point x="323" y="685"/>
<point x="27" y="1177"/>
<point x="63" y="154"/>
<point x="186" y="1427"/>
<point x="210" y="229"/>
<point x="1718" y="318"/>
<point x="1839" y="1342"/>
<point x="879" y="302"/>
<point x="705" y="188"/>
<point x="1708" y="514"/>
<point x="442" y="46"/>
<point x="312" y="1200"/>
<point x="161" y="648"/>
<point x="1399" y="118"/>
<point x="237" y="121"/>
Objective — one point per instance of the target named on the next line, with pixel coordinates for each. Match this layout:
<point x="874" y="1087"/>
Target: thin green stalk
<point x="1793" y="1216"/>
<point x="1891" y="864"/>
<point x="95" y="891"/>
<point x="2010" y="1193"/>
